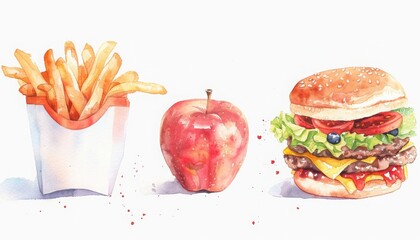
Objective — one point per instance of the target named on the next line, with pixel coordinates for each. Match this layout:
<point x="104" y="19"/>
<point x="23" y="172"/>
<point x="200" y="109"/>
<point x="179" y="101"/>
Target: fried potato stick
<point x="15" y="72"/>
<point x="70" y="86"/>
<point x="88" y="56"/>
<point x="108" y="73"/>
<point x="31" y="70"/>
<point x="27" y="90"/>
<point x="101" y="57"/>
<point x="131" y="87"/>
<point x="72" y="59"/>
<point x="57" y="84"/>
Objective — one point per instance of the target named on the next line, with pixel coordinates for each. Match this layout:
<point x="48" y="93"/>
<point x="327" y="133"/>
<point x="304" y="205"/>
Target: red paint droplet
<point x="132" y="223"/>
<point x="297" y="208"/>
<point x="144" y="214"/>
<point x="272" y="161"/>
<point x="259" y="136"/>
<point x="122" y="195"/>
<point x="65" y="206"/>
<point x="277" y="172"/>
<point x="253" y="222"/>
<point x="128" y="210"/>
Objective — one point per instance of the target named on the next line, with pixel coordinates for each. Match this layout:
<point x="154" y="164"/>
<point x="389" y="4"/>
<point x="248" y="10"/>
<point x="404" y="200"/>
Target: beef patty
<point x="385" y="156"/>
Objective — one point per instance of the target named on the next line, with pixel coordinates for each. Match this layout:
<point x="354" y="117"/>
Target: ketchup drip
<point x="390" y="176"/>
<point x="305" y="173"/>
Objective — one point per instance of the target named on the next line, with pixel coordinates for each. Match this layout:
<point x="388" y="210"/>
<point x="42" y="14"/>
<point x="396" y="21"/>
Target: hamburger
<point x="348" y="133"/>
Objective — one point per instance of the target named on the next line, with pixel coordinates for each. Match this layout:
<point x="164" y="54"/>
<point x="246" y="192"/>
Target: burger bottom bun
<point x="327" y="187"/>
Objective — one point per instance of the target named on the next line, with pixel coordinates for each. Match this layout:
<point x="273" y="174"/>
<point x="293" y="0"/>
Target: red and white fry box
<point x="84" y="154"/>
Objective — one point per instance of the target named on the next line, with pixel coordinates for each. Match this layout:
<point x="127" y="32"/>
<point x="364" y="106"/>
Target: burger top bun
<point x="347" y="94"/>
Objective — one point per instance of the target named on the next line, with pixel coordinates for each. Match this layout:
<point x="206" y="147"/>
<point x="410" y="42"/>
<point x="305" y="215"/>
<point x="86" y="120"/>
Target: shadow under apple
<point x="173" y="187"/>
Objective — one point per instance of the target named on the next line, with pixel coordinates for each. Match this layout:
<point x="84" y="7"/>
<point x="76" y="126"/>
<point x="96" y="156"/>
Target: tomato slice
<point x="303" y="121"/>
<point x="327" y="126"/>
<point x="380" y="123"/>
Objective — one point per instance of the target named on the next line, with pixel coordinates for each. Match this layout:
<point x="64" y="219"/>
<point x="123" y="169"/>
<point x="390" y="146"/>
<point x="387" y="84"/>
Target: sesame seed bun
<point x="327" y="187"/>
<point x="347" y="94"/>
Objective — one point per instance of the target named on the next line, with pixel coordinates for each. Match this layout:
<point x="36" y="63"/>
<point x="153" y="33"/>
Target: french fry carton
<point x="83" y="154"/>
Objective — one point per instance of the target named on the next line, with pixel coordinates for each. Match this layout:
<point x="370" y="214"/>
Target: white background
<point x="251" y="53"/>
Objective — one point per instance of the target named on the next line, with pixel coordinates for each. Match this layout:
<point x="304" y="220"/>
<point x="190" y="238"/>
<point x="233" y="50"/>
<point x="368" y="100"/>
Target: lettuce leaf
<point x="283" y="127"/>
<point x="408" y="125"/>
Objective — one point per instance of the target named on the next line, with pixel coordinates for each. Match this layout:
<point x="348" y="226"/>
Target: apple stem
<point x="208" y="91"/>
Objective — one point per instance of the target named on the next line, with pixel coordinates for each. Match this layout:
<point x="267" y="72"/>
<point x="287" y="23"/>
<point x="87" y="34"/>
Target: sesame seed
<point x="358" y="80"/>
<point x="310" y="85"/>
<point x="341" y="78"/>
<point x="369" y="81"/>
<point x="383" y="75"/>
<point x="302" y="86"/>
<point x="343" y="69"/>
<point x="326" y="84"/>
<point x="377" y="81"/>
<point x="325" y="76"/>
<point x="339" y="86"/>
<point x="331" y="80"/>
<point x="370" y="73"/>
<point x="348" y="80"/>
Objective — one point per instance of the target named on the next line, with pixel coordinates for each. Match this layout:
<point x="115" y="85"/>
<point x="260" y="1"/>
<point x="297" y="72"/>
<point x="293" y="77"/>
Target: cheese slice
<point x="332" y="167"/>
<point x="406" y="146"/>
<point x="347" y="183"/>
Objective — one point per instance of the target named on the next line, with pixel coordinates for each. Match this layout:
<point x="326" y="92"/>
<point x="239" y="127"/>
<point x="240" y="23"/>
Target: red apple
<point x="204" y="143"/>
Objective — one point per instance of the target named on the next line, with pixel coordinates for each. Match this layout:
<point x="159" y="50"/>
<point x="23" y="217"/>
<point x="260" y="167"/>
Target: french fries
<point x="77" y="89"/>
